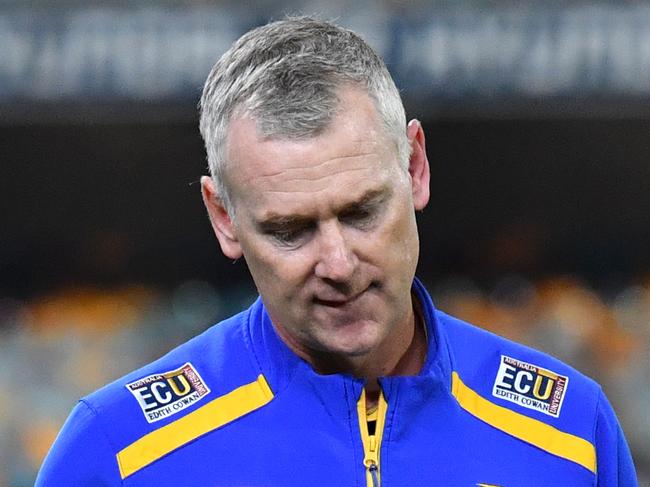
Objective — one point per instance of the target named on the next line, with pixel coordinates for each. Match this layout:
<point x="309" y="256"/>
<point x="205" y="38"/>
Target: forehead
<point x="352" y="157"/>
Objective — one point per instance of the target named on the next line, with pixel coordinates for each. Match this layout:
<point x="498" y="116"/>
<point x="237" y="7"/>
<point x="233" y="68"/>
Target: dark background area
<point x="105" y="203"/>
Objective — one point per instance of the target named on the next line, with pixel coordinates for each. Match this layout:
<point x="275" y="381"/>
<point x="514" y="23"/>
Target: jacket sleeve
<point x="615" y="467"/>
<point x="81" y="454"/>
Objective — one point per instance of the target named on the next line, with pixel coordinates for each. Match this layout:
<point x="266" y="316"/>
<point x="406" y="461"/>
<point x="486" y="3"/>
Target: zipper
<point x="372" y="443"/>
<point x="374" y="474"/>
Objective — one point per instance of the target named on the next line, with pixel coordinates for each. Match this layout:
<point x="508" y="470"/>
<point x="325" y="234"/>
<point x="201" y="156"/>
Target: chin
<point x="352" y="351"/>
<point x="352" y="342"/>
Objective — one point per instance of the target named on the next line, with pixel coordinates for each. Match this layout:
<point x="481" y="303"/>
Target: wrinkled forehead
<point x="353" y="141"/>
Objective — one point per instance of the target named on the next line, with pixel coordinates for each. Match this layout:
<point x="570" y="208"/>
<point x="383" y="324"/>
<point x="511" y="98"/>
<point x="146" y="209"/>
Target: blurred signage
<point x="108" y="54"/>
<point x="103" y="54"/>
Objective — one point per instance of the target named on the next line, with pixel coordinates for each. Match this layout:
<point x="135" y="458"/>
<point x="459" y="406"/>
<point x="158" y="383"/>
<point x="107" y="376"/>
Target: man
<point x="343" y="373"/>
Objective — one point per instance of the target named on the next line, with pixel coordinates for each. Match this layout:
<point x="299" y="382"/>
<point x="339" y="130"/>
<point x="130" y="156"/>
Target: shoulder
<point x="481" y="357"/>
<point x="536" y="398"/>
<point x="110" y="419"/>
<point x="207" y="366"/>
<point x="531" y="384"/>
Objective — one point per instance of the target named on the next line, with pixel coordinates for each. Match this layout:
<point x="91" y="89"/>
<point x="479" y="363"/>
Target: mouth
<point x="339" y="301"/>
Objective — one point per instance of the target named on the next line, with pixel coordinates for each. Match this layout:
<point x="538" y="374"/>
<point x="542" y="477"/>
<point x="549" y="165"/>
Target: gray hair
<point x="285" y="75"/>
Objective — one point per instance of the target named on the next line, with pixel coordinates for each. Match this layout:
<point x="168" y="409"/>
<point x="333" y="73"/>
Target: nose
<point x="336" y="261"/>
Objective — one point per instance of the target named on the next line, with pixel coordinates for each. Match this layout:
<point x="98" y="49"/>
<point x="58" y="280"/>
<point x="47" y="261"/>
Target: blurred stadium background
<point x="538" y="123"/>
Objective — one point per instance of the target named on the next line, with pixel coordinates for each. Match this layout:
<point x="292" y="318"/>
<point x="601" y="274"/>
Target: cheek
<point x="274" y="271"/>
<point x="401" y="229"/>
<point x="401" y="250"/>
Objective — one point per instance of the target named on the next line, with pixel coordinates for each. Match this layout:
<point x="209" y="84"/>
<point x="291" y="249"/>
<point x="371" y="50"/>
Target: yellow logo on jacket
<point x="530" y="386"/>
<point x="167" y="393"/>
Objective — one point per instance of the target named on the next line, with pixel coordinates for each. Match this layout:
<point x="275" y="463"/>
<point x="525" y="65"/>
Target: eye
<point x="359" y="217"/>
<point x="286" y="236"/>
<point x="290" y="236"/>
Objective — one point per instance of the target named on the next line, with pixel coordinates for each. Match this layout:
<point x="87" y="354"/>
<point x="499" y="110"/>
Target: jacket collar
<point x="279" y="364"/>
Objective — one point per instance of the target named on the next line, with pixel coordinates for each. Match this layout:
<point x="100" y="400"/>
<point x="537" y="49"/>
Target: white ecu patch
<point x="530" y="386"/>
<point x="162" y="395"/>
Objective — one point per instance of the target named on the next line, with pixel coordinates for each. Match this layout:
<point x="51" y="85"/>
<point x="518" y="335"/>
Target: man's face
<point x="327" y="228"/>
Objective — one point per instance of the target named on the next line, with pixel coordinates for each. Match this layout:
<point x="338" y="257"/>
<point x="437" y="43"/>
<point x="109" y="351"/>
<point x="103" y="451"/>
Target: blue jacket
<point x="235" y="407"/>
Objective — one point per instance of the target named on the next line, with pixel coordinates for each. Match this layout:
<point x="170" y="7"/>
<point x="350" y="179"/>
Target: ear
<point x="418" y="164"/>
<point x="222" y="225"/>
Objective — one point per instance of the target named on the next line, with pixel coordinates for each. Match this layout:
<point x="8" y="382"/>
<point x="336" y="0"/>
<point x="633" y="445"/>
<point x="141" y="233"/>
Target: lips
<point x="332" y="303"/>
<point x="337" y="301"/>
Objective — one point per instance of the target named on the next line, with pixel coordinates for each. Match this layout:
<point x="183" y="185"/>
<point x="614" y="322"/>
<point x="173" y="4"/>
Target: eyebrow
<point x="367" y="201"/>
<point x="371" y="198"/>
<point x="283" y="221"/>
